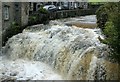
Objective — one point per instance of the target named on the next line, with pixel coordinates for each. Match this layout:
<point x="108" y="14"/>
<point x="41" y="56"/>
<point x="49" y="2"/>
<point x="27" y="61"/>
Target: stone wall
<point x="0" y="24"/>
<point x="6" y="23"/>
<point x="41" y="18"/>
<point x="18" y="13"/>
<point x="24" y="13"/>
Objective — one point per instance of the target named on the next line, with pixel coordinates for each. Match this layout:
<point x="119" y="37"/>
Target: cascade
<point x="76" y="53"/>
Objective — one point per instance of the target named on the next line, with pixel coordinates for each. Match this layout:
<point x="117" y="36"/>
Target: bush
<point x="109" y="22"/>
<point x="9" y="32"/>
<point x="103" y="13"/>
<point x="43" y="11"/>
<point x="33" y="19"/>
<point x="41" y="16"/>
<point x="15" y="27"/>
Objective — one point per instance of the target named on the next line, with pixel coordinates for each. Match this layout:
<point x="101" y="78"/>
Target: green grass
<point x="103" y="0"/>
<point x="95" y="0"/>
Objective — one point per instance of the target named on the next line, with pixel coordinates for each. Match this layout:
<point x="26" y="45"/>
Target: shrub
<point x="33" y="19"/>
<point x="110" y="25"/>
<point x="9" y="32"/>
<point x="15" y="27"/>
<point x="42" y="10"/>
<point x="41" y="16"/>
<point x="103" y="13"/>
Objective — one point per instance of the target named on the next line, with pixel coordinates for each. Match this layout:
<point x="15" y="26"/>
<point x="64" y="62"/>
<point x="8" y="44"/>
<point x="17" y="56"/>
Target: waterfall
<point x="76" y="53"/>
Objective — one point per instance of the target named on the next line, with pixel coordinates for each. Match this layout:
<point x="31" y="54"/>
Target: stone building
<point x="0" y="25"/>
<point x="14" y="12"/>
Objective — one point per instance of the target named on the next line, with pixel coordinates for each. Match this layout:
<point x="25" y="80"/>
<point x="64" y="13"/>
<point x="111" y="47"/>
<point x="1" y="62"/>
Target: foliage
<point x="109" y="22"/>
<point x="41" y="16"/>
<point x="43" y="11"/>
<point x="112" y="31"/>
<point x="15" y="27"/>
<point x="10" y="31"/>
<point x="33" y="19"/>
<point x="104" y="12"/>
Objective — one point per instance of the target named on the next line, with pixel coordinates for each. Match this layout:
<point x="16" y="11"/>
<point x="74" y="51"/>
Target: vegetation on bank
<point x="14" y="29"/>
<point x="39" y="17"/>
<point x="108" y="17"/>
<point x="9" y="32"/>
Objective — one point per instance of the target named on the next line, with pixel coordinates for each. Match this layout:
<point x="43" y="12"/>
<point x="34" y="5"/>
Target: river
<point x="64" y="49"/>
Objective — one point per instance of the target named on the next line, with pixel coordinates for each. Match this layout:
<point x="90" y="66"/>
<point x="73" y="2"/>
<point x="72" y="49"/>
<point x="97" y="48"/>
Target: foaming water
<point x="76" y="53"/>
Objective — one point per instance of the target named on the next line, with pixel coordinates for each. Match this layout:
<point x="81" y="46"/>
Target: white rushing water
<point x="68" y="52"/>
<point x="26" y="70"/>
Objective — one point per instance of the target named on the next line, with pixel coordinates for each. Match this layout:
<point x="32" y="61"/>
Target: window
<point x="17" y="7"/>
<point x="6" y="13"/>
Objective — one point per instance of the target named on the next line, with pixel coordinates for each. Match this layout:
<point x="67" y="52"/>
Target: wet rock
<point x="40" y="71"/>
<point x="13" y="73"/>
<point x="3" y="73"/>
<point x="8" y="79"/>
